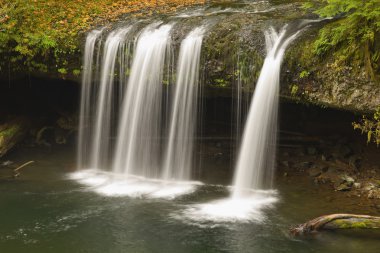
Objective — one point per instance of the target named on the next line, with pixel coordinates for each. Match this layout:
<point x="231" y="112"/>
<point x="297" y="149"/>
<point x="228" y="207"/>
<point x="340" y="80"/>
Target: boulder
<point x="12" y="132"/>
<point x="311" y="151"/>
<point x="344" y="183"/>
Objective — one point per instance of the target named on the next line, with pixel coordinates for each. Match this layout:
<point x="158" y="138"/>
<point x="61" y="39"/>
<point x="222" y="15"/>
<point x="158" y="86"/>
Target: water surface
<point x="44" y="211"/>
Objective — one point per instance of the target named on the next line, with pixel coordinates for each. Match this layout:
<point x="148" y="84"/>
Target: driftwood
<point x="336" y="221"/>
<point x="16" y="171"/>
<point x="10" y="173"/>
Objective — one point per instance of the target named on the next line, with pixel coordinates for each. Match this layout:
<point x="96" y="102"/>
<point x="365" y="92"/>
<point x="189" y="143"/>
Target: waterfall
<point x="256" y="160"/>
<point x="102" y="126"/>
<point x="137" y="103"/>
<point x="178" y="159"/>
<point x="254" y="169"/>
<point x="86" y="99"/>
<point x="138" y="139"/>
<point x="132" y="100"/>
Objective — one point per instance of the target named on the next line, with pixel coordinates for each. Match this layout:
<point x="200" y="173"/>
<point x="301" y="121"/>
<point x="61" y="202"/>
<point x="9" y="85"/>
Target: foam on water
<point x="245" y="209"/>
<point x="116" y="185"/>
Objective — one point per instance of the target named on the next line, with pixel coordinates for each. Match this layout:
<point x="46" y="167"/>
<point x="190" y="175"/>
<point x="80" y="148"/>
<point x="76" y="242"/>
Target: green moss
<point x="304" y="74"/>
<point x="293" y="89"/>
<point x="76" y="72"/>
<point x="62" y="71"/>
<point x="9" y="132"/>
<point x="351" y="39"/>
<point x="353" y="224"/>
<point x="220" y="83"/>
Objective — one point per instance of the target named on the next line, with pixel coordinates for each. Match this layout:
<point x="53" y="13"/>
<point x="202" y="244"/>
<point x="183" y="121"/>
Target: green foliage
<point x="76" y="72"/>
<point x="355" y="37"/>
<point x="62" y="71"/>
<point x="304" y="74"/>
<point x="44" y="35"/>
<point x="293" y="90"/>
<point x="220" y="82"/>
<point x="370" y="126"/>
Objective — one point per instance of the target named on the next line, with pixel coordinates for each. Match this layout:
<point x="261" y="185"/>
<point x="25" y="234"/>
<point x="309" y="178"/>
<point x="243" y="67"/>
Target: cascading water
<point x="138" y="147"/>
<point x="255" y="165"/>
<point x="138" y="142"/>
<point x="178" y="159"/>
<point x="86" y="99"/>
<point x="254" y="170"/>
<point x="101" y="138"/>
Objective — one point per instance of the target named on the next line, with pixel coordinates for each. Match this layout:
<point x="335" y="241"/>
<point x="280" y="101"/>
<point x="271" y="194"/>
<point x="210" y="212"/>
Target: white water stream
<point x="256" y="160"/>
<point x="138" y="139"/>
<point x="178" y="160"/>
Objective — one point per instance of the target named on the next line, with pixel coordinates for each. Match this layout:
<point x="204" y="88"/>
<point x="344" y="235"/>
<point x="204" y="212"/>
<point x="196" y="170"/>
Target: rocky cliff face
<point x="234" y="49"/>
<point x="321" y="81"/>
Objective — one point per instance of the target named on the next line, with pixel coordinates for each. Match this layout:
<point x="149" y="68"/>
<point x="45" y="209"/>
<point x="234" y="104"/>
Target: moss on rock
<point x="11" y="133"/>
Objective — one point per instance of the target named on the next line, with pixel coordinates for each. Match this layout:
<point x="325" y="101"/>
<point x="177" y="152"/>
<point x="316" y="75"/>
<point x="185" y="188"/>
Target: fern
<point x="351" y="39"/>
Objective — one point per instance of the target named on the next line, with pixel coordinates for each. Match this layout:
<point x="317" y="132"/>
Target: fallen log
<point x="336" y="221"/>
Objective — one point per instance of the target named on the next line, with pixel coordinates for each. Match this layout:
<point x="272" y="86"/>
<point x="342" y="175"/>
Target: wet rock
<point x="369" y="187"/>
<point x="341" y="151"/>
<point x="357" y="185"/>
<point x="342" y="140"/>
<point x="11" y="133"/>
<point x="377" y="183"/>
<point x="285" y="164"/>
<point x="343" y="187"/>
<point x="374" y="194"/>
<point x="353" y="162"/>
<point x="345" y="151"/>
<point x="218" y="155"/>
<point x="349" y="180"/>
<point x="331" y="175"/>
<point x="311" y="150"/>
<point x="344" y="184"/>
<point x="6" y="163"/>
<point x="326" y="157"/>
<point x="303" y="165"/>
<point x="315" y="171"/>
<point x="300" y="153"/>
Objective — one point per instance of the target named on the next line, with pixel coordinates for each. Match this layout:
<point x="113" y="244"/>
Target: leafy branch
<point x="370" y="126"/>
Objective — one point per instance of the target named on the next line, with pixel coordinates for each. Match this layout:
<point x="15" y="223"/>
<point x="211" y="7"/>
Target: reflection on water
<point x="44" y="211"/>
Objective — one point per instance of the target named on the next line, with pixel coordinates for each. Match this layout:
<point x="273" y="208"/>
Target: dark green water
<point x="43" y="211"/>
